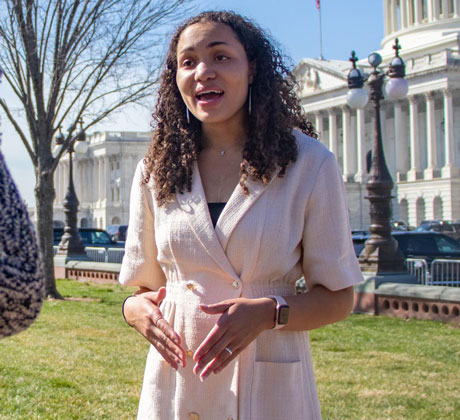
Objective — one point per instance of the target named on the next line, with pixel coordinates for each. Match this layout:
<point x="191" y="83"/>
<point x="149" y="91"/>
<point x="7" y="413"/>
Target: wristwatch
<point x="281" y="312"/>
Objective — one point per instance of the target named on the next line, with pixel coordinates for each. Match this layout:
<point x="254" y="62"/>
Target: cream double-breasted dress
<point x="263" y="242"/>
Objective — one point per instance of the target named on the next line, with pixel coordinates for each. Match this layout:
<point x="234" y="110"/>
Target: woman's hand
<point x="242" y="320"/>
<point x="142" y="312"/>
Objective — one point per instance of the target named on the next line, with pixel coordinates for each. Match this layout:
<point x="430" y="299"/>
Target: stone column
<point x="413" y="174"/>
<point x="319" y="126"/>
<point x="417" y="12"/>
<point x="450" y="168"/>
<point x="456" y="8"/>
<point x="348" y="164"/>
<point x="100" y="181"/>
<point x="361" y="154"/>
<point x="431" y="147"/>
<point x="403" y="14"/>
<point x="445" y="9"/>
<point x="333" y="132"/>
<point x="436" y="13"/>
<point x="400" y="142"/>
<point x="108" y="196"/>
<point x="430" y="10"/>
<point x="386" y="19"/>
<point x="394" y="16"/>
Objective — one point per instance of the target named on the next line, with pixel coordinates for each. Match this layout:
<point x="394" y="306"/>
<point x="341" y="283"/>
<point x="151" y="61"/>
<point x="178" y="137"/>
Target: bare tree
<point x="65" y="60"/>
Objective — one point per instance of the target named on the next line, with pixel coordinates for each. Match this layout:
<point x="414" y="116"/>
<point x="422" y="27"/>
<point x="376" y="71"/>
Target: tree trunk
<point x="44" y="197"/>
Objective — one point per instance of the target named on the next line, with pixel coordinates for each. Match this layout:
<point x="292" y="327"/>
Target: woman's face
<point x="213" y="73"/>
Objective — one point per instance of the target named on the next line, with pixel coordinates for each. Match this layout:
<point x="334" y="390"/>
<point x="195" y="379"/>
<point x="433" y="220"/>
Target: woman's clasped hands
<point x="241" y="320"/>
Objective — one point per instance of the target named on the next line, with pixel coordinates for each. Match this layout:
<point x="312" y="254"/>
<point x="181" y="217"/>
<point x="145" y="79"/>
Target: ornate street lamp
<point x="71" y="244"/>
<point x="381" y="253"/>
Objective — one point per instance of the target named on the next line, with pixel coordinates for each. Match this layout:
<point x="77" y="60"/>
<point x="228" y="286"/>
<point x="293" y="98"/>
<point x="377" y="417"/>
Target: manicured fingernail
<point x="176" y="340"/>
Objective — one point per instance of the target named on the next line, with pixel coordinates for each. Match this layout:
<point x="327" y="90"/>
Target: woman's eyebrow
<point x="210" y="45"/>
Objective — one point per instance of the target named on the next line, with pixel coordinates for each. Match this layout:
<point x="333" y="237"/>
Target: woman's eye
<point x="221" y="57"/>
<point x="187" y="62"/>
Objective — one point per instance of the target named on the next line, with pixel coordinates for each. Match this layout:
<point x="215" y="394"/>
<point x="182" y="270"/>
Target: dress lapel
<point x="195" y="206"/>
<point x="215" y="240"/>
<point x="236" y="207"/>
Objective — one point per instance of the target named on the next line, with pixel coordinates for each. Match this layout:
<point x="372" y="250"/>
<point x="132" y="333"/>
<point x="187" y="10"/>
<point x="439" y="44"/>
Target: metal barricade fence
<point x="97" y="254"/>
<point x="115" y="255"/>
<point x="418" y="268"/>
<point x="100" y="254"/>
<point x="445" y="273"/>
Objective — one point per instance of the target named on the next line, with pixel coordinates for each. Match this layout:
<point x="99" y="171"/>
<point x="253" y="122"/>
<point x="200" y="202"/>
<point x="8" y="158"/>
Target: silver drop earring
<point x="187" y="113"/>
<point x="250" y="100"/>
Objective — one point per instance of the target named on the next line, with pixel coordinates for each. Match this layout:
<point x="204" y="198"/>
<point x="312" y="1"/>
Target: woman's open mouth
<point x="209" y="95"/>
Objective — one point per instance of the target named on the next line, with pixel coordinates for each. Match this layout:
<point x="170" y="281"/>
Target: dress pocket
<point x="278" y="392"/>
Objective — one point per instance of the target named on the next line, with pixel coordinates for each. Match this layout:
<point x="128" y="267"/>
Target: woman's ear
<point x="252" y="71"/>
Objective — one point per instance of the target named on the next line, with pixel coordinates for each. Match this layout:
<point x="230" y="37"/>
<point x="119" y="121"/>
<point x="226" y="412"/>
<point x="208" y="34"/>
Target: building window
<point x="113" y="198"/>
<point x="437" y="208"/>
<point x="420" y="210"/>
<point x="404" y="211"/>
<point x="118" y="193"/>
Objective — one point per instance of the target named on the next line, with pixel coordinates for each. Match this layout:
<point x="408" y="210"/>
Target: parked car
<point x="424" y="245"/>
<point x="117" y="232"/>
<point x="446" y="227"/>
<point x="91" y="237"/>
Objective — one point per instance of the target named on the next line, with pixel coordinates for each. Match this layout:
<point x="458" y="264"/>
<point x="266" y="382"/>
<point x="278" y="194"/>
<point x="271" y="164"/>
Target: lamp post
<point x="71" y="245"/>
<point x="381" y="253"/>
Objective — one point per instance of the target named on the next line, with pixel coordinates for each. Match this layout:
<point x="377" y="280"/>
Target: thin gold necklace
<point x="223" y="152"/>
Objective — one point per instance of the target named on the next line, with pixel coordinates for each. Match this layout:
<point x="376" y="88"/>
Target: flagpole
<point x="320" y="31"/>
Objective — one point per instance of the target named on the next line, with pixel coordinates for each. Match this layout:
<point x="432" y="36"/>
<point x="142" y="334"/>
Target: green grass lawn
<point x="79" y="360"/>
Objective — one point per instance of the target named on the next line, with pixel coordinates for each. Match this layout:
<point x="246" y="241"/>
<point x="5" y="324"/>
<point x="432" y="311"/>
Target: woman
<point x="229" y="208"/>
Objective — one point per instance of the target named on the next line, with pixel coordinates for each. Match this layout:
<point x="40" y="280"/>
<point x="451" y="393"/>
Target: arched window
<point x="437" y="208"/>
<point x="420" y="210"/>
<point x="404" y="211"/>
<point x="115" y="220"/>
<point x="84" y="222"/>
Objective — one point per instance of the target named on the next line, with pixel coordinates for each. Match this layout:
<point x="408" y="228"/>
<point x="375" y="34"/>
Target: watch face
<point x="283" y="315"/>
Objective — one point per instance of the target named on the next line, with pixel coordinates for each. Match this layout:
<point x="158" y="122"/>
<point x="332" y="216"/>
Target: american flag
<point x="318" y="5"/>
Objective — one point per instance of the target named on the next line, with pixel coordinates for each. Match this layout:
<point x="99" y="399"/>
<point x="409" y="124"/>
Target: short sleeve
<point x="140" y="266"/>
<point x="328" y="254"/>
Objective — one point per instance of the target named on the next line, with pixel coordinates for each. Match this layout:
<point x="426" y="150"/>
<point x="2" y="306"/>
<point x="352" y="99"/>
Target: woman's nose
<point x="204" y="71"/>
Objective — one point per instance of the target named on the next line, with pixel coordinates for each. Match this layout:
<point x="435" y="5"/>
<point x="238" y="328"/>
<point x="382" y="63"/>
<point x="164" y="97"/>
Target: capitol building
<point x="421" y="134"/>
<point x="102" y="177"/>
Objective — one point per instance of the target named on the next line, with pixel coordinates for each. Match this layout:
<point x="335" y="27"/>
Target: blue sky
<point x="294" y="25"/>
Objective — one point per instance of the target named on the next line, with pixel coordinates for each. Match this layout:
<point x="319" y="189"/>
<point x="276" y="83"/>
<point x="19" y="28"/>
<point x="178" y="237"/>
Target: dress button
<point x="190" y="286"/>
<point x="189" y="353"/>
<point x="236" y="284"/>
<point x="230" y="418"/>
<point x="193" y="416"/>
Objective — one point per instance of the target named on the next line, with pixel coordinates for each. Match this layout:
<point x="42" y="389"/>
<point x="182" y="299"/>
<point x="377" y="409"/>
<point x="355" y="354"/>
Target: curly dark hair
<point x="270" y="144"/>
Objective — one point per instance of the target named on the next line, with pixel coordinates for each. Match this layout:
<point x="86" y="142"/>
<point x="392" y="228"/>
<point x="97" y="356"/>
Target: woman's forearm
<point x="318" y="307"/>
